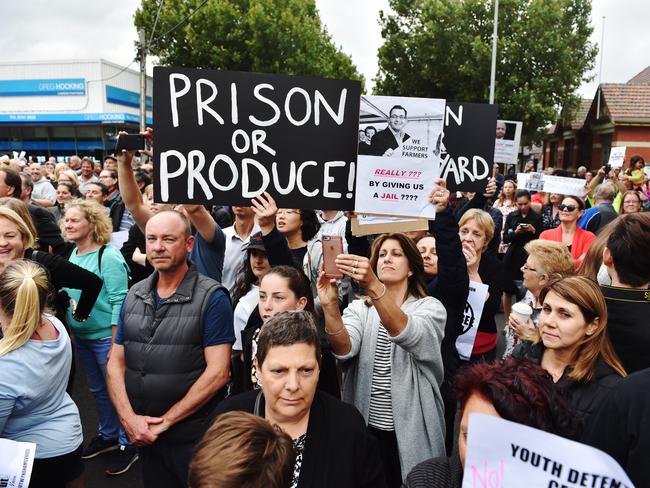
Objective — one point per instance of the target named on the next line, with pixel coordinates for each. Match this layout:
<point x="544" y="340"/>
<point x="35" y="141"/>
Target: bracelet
<point x="382" y="293"/>
<point x="334" y="333"/>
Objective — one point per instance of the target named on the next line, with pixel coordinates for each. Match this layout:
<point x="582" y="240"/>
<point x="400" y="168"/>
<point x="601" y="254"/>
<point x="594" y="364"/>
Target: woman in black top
<point x="333" y="447"/>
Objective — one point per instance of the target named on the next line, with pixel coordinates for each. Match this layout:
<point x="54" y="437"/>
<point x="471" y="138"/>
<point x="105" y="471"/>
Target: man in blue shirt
<point x="170" y="362"/>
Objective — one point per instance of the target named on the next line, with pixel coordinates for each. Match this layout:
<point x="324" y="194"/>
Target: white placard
<point x="119" y="238"/>
<point x="478" y="293"/>
<point x="16" y="462"/>
<point x="551" y="184"/>
<point x="617" y="156"/>
<point x="506" y="143"/>
<point x="396" y="170"/>
<point x="506" y="454"/>
<point x="379" y="219"/>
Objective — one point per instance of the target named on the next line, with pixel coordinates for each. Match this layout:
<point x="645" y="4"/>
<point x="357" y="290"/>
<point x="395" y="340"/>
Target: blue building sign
<point x="120" y="96"/>
<point x="41" y="88"/>
<point x="91" y="118"/>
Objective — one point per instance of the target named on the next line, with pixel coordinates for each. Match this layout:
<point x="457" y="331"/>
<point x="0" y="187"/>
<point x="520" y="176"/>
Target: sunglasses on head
<point x="568" y="208"/>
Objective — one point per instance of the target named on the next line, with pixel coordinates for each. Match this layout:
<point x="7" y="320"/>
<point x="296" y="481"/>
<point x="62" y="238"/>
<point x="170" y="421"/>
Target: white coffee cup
<point x="521" y="312"/>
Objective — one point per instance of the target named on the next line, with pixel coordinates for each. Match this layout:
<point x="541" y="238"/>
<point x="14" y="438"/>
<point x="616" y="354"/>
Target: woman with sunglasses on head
<point x="572" y="344"/>
<point x="577" y="240"/>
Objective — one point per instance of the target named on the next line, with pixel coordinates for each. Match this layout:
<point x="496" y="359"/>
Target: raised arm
<point x="129" y="189"/>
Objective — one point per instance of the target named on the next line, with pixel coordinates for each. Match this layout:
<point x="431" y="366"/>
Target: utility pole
<point x="143" y="81"/>
<point x="600" y="68"/>
<point x="494" y="50"/>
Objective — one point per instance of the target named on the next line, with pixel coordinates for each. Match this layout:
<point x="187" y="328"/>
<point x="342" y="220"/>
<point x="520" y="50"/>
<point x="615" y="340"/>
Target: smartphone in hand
<point x="130" y="142"/>
<point x="332" y="247"/>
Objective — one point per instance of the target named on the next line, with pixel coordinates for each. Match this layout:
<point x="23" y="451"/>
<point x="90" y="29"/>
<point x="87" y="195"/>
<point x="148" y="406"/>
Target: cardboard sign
<point x="468" y="146"/>
<point x="478" y="293"/>
<point x="16" y="463"/>
<point x="551" y="184"/>
<point x="365" y="225"/>
<point x="226" y="137"/>
<point x="506" y="144"/>
<point x="617" y="156"/>
<point x="400" y="158"/>
<point x="506" y="454"/>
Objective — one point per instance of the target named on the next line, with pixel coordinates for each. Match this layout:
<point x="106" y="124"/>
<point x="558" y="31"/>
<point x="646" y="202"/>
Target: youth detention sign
<point x="226" y="137"/>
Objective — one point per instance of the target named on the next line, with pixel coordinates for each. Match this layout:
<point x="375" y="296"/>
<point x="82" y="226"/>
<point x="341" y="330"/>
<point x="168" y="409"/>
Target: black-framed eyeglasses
<point x="568" y="208"/>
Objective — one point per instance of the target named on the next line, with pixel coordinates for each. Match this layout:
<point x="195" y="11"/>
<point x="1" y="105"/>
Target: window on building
<point x="605" y="148"/>
<point x="568" y="153"/>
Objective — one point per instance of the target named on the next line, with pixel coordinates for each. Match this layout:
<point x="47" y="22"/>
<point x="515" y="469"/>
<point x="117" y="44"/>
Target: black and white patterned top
<point x="299" y="447"/>
<point x="380" y="415"/>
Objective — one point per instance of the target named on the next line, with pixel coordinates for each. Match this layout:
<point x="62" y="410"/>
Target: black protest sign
<point x="225" y="137"/>
<point x="466" y="162"/>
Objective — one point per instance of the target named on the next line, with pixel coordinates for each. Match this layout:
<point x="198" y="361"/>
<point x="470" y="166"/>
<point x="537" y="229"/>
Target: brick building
<point x="618" y="115"/>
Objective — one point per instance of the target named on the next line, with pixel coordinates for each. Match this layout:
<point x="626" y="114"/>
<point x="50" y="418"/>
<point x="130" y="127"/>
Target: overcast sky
<point x="38" y="30"/>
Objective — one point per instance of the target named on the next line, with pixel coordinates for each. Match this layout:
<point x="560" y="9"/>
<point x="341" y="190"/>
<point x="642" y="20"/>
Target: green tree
<point x="271" y="36"/>
<point x="443" y="48"/>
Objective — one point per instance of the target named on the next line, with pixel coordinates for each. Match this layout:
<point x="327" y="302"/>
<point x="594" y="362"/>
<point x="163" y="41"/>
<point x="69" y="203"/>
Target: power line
<point x="155" y="22"/>
<point x="183" y="21"/>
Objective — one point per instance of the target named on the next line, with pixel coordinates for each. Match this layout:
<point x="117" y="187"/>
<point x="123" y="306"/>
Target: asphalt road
<point x="94" y="474"/>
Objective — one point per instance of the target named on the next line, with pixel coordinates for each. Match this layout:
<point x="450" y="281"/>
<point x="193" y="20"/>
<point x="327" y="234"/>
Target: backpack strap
<point x="99" y="257"/>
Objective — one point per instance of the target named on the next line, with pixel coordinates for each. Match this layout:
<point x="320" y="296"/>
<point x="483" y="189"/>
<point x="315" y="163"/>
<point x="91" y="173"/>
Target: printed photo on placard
<point x="507" y="140"/>
<point x="399" y="156"/>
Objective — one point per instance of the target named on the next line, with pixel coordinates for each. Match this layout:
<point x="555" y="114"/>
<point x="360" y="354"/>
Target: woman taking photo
<point x="332" y="445"/>
<point x="577" y="240"/>
<point x="35" y="360"/>
<point x="547" y="261"/>
<point x="282" y="288"/>
<point x="476" y="231"/>
<point x="89" y="228"/>
<point x="389" y="349"/>
<point x="571" y="343"/>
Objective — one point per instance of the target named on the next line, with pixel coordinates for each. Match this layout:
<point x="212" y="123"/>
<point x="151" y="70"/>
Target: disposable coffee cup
<point x="521" y="312"/>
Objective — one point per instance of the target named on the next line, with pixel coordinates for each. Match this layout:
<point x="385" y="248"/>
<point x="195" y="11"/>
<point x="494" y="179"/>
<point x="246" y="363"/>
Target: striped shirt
<point x="381" y="401"/>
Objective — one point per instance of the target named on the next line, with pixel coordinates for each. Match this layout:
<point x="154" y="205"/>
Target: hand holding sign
<point x="491" y="188"/>
<point x="439" y="196"/>
<point x="265" y="211"/>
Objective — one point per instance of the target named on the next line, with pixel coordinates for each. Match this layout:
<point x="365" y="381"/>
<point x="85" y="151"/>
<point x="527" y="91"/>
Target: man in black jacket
<point x="627" y="257"/>
<point x="623" y="426"/>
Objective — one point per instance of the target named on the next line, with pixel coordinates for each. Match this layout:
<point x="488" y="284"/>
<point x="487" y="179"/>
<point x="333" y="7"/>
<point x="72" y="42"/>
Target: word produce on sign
<point x="226" y="137"/>
<point x="468" y="146"/>
<point x="504" y="454"/>
<point x="399" y="155"/>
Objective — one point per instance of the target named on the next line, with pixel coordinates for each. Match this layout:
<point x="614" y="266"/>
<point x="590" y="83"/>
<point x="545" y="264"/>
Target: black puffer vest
<point x="164" y="349"/>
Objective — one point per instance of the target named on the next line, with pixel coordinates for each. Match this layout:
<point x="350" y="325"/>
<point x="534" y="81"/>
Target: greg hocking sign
<point x="226" y="137"/>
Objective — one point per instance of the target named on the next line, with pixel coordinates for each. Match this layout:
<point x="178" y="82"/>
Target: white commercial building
<point x="61" y="108"/>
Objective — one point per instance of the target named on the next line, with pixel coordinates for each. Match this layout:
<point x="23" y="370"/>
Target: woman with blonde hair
<point x="89" y="228"/>
<point x="476" y="229"/>
<point x="572" y="344"/>
<point x="35" y="359"/>
<point x="547" y="261"/>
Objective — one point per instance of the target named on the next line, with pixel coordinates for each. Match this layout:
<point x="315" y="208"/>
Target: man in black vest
<point x="170" y="361"/>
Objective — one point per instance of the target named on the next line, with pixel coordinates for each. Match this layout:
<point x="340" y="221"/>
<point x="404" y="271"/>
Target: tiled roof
<point x="627" y="102"/>
<point x="642" y="77"/>
<point x="583" y="109"/>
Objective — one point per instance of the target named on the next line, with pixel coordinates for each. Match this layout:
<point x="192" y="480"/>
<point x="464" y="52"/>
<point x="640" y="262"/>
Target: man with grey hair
<point x="603" y="212"/>
<point x="581" y="172"/>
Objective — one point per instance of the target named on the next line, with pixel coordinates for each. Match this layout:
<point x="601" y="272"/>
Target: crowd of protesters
<point x="219" y="353"/>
